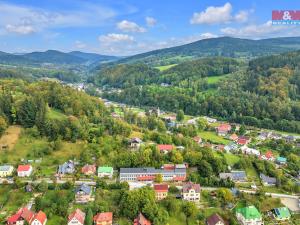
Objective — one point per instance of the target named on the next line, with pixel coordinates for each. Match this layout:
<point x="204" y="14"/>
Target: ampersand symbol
<point x="286" y="15"/>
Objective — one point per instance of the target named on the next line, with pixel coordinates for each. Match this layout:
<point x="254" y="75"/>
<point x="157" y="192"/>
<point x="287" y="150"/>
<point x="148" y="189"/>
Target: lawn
<point x="216" y="79"/>
<point x="10" y="137"/>
<point x="163" y="68"/>
<point x="55" y="220"/>
<point x="231" y="159"/>
<point x="55" y="114"/>
<point x="213" y="137"/>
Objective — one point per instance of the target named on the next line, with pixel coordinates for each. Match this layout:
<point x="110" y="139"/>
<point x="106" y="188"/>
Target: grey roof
<point x="84" y="188"/>
<point x="267" y="179"/>
<point x="150" y="170"/>
<point x="234" y="175"/>
<point x="67" y="167"/>
<point x="225" y="175"/>
<point x="5" y="168"/>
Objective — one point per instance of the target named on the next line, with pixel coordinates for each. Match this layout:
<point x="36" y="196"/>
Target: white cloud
<point x="213" y="15"/>
<point x="261" y="31"/>
<point x="20" y="29"/>
<point x="128" y="26"/>
<point x="150" y="21"/>
<point x="80" y="44"/>
<point x="24" y="19"/>
<point x="111" y="38"/>
<point x="219" y="15"/>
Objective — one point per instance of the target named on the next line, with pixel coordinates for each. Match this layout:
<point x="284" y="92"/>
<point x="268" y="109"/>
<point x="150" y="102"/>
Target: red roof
<point x="165" y="147"/>
<point x="141" y="220"/>
<point x="78" y="215"/>
<point x="88" y="168"/>
<point x="23" y="213"/>
<point x="145" y="178"/>
<point x="161" y="187"/>
<point x="178" y="178"/>
<point x="224" y="127"/>
<point x="190" y="185"/>
<point x="22" y="168"/>
<point x="103" y="217"/>
<point x="15" y="218"/>
<point x="40" y="216"/>
<point x="168" y="166"/>
<point x="234" y="137"/>
<point x="269" y="154"/>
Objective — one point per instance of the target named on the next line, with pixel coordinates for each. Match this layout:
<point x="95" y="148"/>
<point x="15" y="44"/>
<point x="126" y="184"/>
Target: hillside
<point x="223" y="46"/>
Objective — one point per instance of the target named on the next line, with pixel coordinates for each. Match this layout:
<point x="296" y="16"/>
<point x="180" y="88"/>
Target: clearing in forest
<point x="10" y="137"/>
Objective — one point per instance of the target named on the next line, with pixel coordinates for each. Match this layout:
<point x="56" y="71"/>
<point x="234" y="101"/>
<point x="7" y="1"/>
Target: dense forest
<point x="264" y="94"/>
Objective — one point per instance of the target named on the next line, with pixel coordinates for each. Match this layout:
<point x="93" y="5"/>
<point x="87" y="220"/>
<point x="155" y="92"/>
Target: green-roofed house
<point x="282" y="213"/>
<point x="249" y="216"/>
<point x="105" y="171"/>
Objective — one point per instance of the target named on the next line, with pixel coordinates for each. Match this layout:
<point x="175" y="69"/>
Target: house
<point x="141" y="220"/>
<point x="231" y="147"/>
<point x="6" y="171"/>
<point x="105" y="171"/>
<point x="263" y="136"/>
<point x="281" y="160"/>
<point x="215" y="219"/>
<point x="249" y="216"/>
<point x="267" y="181"/>
<point x="191" y="192"/>
<point x="276" y="136"/>
<point x="197" y="139"/>
<point x="83" y="193"/>
<point x="289" y="138"/>
<point x="39" y="218"/>
<point x="210" y="120"/>
<point x="223" y="129"/>
<point x="88" y="169"/>
<point x="282" y="213"/>
<point x="236" y="176"/>
<point x="103" y="218"/>
<point x="165" y="148"/>
<point x="76" y="218"/>
<point x="66" y="168"/>
<point x="23" y="214"/>
<point x="243" y="140"/>
<point x="268" y="156"/>
<point x="149" y="173"/>
<point x="24" y="170"/>
<point x="135" y="143"/>
<point x="233" y="137"/>
<point x="250" y="151"/>
<point x="161" y="191"/>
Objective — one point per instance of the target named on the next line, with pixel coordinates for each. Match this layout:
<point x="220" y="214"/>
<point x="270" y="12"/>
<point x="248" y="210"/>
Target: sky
<point x="128" y="27"/>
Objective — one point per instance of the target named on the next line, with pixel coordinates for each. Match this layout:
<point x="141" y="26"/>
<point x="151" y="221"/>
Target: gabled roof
<point x="249" y="212"/>
<point x="102" y="217"/>
<point x="5" y="168"/>
<point x="135" y="140"/>
<point x="165" y="147"/>
<point x="233" y="137"/>
<point x="141" y="220"/>
<point x="224" y="127"/>
<point x="88" y="168"/>
<point x="24" y="168"/>
<point x="267" y="179"/>
<point x="160" y="187"/>
<point x="282" y="213"/>
<point x="214" y="219"/>
<point x="40" y="216"/>
<point x="84" y="188"/>
<point x="78" y="215"/>
<point x="190" y="185"/>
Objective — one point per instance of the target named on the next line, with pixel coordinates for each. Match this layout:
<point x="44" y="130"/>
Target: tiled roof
<point x="141" y="220"/>
<point x="102" y="217"/>
<point x="88" y="168"/>
<point x="267" y="179"/>
<point x="78" y="215"/>
<point x="190" y="185"/>
<point x="5" y="168"/>
<point x="214" y="219"/>
<point x="22" y="168"/>
<point x="40" y="216"/>
<point x="165" y="147"/>
<point x="84" y="188"/>
<point x="161" y="187"/>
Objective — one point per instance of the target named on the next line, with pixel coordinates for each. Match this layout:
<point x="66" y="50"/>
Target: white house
<point x="250" y="151"/>
<point x="39" y="219"/>
<point x="191" y="192"/>
<point x="24" y="170"/>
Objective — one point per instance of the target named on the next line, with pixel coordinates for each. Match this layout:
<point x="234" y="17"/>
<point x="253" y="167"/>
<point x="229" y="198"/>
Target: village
<point x="227" y="138"/>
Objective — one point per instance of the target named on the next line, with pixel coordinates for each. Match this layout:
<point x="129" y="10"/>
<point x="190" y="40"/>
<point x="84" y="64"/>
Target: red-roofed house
<point x="197" y="139"/>
<point x="39" y="218"/>
<point x="76" y="218"/>
<point x="215" y="219"/>
<point x="161" y="191"/>
<point x="141" y="220"/>
<point x="24" y="170"/>
<point x="242" y="140"/>
<point x="223" y="129"/>
<point x="88" y="169"/>
<point x="268" y="156"/>
<point x="191" y="192"/>
<point x="20" y="217"/>
<point x="165" y="148"/>
<point x="103" y="218"/>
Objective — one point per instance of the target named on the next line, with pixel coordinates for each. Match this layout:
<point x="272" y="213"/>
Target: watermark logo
<point x="286" y="17"/>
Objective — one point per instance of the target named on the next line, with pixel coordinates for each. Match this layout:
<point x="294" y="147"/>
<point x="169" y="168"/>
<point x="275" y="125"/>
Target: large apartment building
<point x="149" y="174"/>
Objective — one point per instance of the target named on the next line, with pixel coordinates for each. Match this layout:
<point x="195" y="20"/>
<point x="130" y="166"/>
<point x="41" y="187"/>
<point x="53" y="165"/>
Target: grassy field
<point x="231" y="159"/>
<point x="163" y="68"/>
<point x="216" y="79"/>
<point x="213" y="137"/>
<point x="55" y="114"/>
<point x="10" y="137"/>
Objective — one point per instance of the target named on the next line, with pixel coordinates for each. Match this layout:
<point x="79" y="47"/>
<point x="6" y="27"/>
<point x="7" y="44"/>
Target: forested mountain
<point x="93" y="57"/>
<point x="223" y="46"/>
<point x="264" y="94"/>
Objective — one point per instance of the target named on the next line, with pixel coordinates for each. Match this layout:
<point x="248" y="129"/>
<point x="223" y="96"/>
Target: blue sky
<point x="126" y="27"/>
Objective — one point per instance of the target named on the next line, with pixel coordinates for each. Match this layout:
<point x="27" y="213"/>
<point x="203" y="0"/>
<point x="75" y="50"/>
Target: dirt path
<point x="10" y="138"/>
